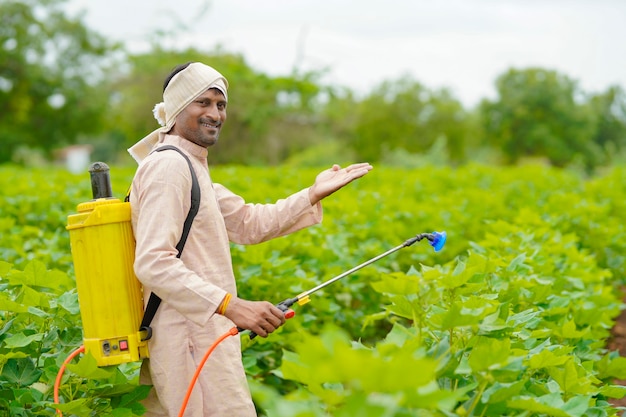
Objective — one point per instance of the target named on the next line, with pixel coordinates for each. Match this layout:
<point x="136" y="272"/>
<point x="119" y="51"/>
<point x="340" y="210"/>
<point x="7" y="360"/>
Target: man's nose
<point x="213" y="113"/>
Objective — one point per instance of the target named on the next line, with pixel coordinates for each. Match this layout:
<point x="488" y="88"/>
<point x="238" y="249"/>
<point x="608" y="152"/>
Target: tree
<point x="400" y="114"/>
<point x="539" y="112"/>
<point x="50" y="65"/>
<point x="609" y="109"/>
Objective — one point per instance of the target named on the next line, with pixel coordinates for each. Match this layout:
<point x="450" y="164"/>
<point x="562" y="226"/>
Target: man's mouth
<point x="211" y="125"/>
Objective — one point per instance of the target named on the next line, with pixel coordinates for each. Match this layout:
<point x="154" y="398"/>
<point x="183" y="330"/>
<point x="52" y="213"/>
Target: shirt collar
<point x="191" y="148"/>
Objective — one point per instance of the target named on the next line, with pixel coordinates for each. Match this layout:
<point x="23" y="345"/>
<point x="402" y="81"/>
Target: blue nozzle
<point x="439" y="239"/>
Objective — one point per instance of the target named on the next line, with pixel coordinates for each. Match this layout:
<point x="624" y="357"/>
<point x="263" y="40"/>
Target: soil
<point x="617" y="342"/>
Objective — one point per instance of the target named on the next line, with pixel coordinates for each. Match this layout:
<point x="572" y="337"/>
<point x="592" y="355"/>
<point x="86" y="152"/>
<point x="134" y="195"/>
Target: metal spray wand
<point x="436" y="240"/>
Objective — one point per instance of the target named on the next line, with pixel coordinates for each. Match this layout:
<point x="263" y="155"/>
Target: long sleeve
<point x="255" y="223"/>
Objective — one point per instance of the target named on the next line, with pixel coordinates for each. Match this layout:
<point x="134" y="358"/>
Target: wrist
<point x="221" y="309"/>
<point x="314" y="198"/>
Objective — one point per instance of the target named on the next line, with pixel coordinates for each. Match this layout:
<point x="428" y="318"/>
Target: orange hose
<point x="57" y="382"/>
<point x="232" y="332"/>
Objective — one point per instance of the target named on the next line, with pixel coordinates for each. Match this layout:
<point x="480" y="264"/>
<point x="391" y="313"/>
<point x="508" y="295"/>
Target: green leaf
<point x="455" y="317"/>
<point x="138" y="394"/>
<point x="526" y="318"/>
<point x="572" y="378"/>
<point x="33" y="298"/>
<point x="7" y="304"/>
<point x="577" y="406"/>
<point x="518" y="263"/>
<point x="6" y="327"/>
<point x="69" y="301"/>
<point x="568" y="331"/>
<point x="458" y="277"/>
<point x="545" y="359"/>
<point x="361" y="404"/>
<point x="613" y="391"/>
<point x="58" y="280"/>
<point x="78" y="407"/>
<point x="5" y="268"/>
<point x="396" y="283"/>
<point x="38" y="312"/>
<point x="121" y="412"/>
<point x="499" y="392"/>
<point x="4" y="357"/>
<point x="21" y="372"/>
<point x="402" y="306"/>
<point x="26" y="395"/>
<point x="549" y="405"/>
<point x="609" y="367"/>
<point x="87" y="367"/>
<point x="478" y="306"/>
<point x="431" y="398"/>
<point x="488" y="352"/>
<point x="399" y="335"/>
<point x="35" y="274"/>
<point x="20" y="340"/>
<point x="495" y="322"/>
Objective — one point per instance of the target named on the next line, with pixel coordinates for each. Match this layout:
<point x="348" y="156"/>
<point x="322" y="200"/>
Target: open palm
<point x="332" y="179"/>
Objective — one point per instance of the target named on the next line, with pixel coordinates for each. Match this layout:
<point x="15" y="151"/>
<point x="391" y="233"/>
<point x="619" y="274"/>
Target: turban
<point x="182" y="89"/>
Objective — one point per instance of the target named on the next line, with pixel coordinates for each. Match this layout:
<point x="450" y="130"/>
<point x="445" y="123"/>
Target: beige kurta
<point x="192" y="287"/>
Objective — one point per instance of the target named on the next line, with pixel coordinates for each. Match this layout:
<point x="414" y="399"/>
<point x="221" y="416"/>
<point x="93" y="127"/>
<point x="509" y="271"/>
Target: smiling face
<point x="201" y="121"/>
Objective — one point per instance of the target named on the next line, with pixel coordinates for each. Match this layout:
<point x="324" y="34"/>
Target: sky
<point x="462" y="45"/>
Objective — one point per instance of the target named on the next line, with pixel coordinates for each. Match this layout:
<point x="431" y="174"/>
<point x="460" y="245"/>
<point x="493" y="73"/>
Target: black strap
<point x="154" y="301"/>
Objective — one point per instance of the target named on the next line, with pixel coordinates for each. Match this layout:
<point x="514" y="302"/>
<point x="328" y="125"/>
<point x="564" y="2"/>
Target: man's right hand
<point x="260" y="317"/>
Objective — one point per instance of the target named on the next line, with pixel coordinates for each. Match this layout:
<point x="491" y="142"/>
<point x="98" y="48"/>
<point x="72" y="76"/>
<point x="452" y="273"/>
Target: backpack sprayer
<point x="111" y="296"/>
<point x="116" y="329"/>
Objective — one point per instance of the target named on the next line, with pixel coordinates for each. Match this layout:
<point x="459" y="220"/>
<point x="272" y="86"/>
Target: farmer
<point x="198" y="290"/>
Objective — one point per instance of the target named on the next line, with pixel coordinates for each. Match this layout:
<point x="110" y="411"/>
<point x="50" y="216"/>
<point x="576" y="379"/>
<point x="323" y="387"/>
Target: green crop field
<point x="511" y="318"/>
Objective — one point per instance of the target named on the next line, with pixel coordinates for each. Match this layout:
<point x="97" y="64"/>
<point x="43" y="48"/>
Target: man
<point x="198" y="289"/>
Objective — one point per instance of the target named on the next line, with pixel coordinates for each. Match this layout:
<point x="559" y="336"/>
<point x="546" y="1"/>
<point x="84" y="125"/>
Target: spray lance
<point x="436" y="240"/>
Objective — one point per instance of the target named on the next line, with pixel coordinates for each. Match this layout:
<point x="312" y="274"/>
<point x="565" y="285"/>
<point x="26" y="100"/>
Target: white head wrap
<point x="182" y="89"/>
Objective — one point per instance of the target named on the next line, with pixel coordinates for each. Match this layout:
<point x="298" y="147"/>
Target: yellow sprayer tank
<point x="109" y="294"/>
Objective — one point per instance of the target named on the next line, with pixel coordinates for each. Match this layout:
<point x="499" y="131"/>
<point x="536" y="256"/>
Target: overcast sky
<point x="459" y="44"/>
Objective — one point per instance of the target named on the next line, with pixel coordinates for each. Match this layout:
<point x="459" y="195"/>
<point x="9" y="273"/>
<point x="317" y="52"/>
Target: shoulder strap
<point x="154" y="301"/>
